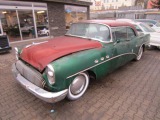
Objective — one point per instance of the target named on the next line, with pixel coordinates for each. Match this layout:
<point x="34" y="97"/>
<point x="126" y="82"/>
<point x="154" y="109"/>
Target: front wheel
<point x="78" y="87"/>
<point x="140" y="53"/>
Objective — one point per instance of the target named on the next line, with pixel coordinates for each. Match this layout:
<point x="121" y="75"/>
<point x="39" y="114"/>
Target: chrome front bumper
<point x="42" y="94"/>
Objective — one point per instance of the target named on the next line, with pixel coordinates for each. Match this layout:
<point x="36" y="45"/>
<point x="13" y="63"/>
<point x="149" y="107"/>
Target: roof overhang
<point x="72" y="2"/>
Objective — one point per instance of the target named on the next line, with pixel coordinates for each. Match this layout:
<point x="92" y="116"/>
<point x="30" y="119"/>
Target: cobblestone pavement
<point x="130" y="93"/>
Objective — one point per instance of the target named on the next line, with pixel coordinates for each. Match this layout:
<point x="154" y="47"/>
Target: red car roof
<point x="111" y="23"/>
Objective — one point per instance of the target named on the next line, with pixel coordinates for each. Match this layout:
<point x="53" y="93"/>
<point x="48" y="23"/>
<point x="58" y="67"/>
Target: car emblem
<point x="107" y="56"/>
<point x="102" y="58"/>
<point x="96" y="61"/>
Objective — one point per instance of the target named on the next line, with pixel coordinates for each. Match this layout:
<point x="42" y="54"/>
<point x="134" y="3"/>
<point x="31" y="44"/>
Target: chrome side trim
<point x="35" y="44"/>
<point x="106" y="61"/>
<point x="101" y="63"/>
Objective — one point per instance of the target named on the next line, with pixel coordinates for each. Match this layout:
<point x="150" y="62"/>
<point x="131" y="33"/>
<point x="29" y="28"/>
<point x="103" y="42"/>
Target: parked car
<point x="43" y="30"/>
<point x="62" y="67"/>
<point x="152" y="23"/>
<point x="4" y="44"/>
<point x="145" y="29"/>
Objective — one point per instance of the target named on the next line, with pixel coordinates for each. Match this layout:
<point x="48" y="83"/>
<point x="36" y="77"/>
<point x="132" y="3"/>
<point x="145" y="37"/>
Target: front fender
<point x="67" y="67"/>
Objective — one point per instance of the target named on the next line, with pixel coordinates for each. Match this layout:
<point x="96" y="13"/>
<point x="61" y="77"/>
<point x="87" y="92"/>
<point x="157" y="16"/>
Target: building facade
<point x="116" y="4"/>
<point x="110" y="4"/>
<point x="30" y="19"/>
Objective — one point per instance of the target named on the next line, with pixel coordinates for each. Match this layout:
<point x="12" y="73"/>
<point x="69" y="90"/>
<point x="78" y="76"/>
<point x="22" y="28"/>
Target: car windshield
<point x="157" y="24"/>
<point x="146" y="28"/>
<point x="90" y="31"/>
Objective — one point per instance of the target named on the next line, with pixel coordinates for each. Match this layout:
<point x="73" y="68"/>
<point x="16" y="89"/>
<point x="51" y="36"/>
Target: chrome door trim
<point x="101" y="63"/>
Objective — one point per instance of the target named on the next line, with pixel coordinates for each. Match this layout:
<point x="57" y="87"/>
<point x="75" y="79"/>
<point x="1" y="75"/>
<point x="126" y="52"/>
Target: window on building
<point x="0" y="28"/>
<point x="42" y="23"/>
<point x="10" y="24"/>
<point x="26" y="23"/>
<point x="74" y="14"/>
<point x="106" y="1"/>
<point x="18" y="23"/>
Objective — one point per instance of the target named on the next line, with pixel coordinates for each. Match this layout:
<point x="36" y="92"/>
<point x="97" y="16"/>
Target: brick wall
<point x="56" y="14"/>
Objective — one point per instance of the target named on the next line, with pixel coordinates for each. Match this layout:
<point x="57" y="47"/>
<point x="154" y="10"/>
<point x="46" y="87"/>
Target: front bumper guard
<point x="50" y="97"/>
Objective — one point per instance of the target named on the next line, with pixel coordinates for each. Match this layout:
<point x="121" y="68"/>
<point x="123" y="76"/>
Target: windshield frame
<point x="109" y="28"/>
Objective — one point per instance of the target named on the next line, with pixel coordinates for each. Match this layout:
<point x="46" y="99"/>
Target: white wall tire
<point x="78" y="87"/>
<point x="140" y="53"/>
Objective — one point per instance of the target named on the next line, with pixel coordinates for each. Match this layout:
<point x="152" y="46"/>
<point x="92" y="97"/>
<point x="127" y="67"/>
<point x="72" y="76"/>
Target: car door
<point x="105" y="53"/>
<point x="120" y="46"/>
<point x="131" y="44"/>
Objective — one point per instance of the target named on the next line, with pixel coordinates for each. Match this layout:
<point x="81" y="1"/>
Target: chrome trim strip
<point x="101" y="63"/>
<point x="33" y="43"/>
<point x="105" y="61"/>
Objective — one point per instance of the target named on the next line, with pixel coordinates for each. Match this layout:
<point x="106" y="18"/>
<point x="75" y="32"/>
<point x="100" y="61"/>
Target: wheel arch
<point x="143" y="47"/>
<point x="92" y="74"/>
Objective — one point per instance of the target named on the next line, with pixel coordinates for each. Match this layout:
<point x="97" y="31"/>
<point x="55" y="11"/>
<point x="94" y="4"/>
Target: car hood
<point x="40" y="55"/>
<point x="155" y="34"/>
<point x="157" y="29"/>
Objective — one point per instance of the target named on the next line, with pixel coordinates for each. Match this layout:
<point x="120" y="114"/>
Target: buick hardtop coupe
<point x="62" y="67"/>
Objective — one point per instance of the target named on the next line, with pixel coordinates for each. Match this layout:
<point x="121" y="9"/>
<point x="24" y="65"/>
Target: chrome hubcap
<point x="78" y="84"/>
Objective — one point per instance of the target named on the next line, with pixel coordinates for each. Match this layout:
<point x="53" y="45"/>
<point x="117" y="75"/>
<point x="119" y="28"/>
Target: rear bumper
<point x="42" y="94"/>
<point x="5" y="49"/>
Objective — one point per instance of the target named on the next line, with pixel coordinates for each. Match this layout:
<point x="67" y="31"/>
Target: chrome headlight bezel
<point x="16" y="53"/>
<point x="50" y="74"/>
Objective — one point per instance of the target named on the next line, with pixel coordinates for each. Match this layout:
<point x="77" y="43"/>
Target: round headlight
<point x="50" y="74"/>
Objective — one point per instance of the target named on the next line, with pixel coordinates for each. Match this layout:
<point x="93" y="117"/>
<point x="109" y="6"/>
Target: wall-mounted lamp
<point x="4" y="12"/>
<point x="40" y="12"/>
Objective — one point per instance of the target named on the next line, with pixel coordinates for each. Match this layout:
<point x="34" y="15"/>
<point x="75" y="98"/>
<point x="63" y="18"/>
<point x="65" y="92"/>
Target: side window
<point x="119" y="33"/>
<point x="131" y="33"/>
<point x="138" y="28"/>
<point x="113" y="34"/>
<point x="104" y="33"/>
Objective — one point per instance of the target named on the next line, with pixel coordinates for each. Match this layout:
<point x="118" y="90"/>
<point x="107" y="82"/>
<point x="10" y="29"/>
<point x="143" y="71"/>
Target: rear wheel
<point x="140" y="53"/>
<point x="78" y="87"/>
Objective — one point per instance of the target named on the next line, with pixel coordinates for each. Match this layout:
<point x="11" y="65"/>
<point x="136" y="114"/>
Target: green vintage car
<point x="62" y="67"/>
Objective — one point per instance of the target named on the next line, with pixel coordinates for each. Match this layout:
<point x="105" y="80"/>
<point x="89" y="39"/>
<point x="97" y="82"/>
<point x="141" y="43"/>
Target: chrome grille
<point x="30" y="73"/>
